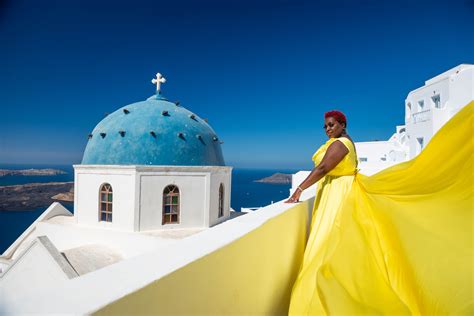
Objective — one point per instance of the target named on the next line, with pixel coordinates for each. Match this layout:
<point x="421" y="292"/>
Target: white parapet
<point x="297" y="179"/>
<point x="53" y="210"/>
<point x="244" y="250"/>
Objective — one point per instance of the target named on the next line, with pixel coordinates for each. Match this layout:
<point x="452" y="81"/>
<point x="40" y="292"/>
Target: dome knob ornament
<point x="158" y="81"/>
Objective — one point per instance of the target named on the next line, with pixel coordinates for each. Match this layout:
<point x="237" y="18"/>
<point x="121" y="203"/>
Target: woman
<point x="336" y="162"/>
<point x="399" y="242"/>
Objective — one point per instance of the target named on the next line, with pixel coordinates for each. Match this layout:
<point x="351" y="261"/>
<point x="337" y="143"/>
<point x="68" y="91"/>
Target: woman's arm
<point x="334" y="155"/>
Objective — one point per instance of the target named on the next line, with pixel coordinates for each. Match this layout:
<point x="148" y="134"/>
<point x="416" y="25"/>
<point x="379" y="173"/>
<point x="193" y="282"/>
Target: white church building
<point x="152" y="165"/>
<point x="152" y="174"/>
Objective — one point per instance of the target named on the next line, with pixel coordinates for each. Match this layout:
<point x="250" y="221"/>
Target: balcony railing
<point x="421" y="116"/>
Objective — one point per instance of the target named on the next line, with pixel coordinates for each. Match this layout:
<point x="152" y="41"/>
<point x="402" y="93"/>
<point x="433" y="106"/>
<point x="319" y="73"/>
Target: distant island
<point x="33" y="195"/>
<point x="30" y="172"/>
<point x="277" y="178"/>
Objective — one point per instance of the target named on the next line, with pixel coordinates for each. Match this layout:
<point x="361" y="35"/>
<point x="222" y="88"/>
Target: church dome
<point x="153" y="132"/>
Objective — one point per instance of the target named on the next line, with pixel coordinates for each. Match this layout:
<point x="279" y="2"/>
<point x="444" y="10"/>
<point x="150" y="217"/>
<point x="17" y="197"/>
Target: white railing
<point x="422" y="116"/>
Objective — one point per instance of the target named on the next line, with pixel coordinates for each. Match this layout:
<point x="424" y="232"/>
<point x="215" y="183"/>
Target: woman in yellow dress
<point x="336" y="162"/>
<point x="399" y="242"/>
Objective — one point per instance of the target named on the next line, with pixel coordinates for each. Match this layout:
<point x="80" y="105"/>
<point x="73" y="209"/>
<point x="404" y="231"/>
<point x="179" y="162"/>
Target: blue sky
<point x="262" y="72"/>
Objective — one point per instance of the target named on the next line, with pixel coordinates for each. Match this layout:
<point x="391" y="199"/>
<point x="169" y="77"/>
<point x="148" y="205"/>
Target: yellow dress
<point x="399" y="242"/>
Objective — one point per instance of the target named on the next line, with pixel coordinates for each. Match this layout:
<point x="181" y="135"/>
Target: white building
<point x="427" y="109"/>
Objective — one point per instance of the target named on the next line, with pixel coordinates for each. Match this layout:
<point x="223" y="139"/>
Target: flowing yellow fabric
<point x="398" y="242"/>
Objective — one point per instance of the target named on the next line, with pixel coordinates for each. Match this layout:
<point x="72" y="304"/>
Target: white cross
<point x="158" y="81"/>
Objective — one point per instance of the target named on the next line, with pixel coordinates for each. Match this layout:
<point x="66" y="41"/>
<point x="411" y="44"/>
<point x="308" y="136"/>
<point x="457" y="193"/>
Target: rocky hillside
<point x="34" y="195"/>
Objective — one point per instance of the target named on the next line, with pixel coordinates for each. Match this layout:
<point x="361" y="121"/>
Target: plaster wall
<point x="128" y="244"/>
<point x="138" y="195"/>
<point x="296" y="180"/>
<point x="417" y="131"/>
<point x="35" y="266"/>
<point x="30" y="233"/>
<point x="88" y="181"/>
<point x="374" y="151"/>
<point x="4" y="264"/>
<point x="461" y="89"/>
<point x="425" y="94"/>
<point x="223" y="176"/>
<point x="193" y="199"/>
<point x="455" y="88"/>
<point x="420" y="122"/>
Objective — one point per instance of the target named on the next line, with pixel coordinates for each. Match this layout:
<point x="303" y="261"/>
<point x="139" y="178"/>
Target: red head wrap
<point x="337" y="115"/>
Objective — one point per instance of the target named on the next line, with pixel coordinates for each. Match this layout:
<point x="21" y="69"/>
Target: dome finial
<point x="158" y="81"/>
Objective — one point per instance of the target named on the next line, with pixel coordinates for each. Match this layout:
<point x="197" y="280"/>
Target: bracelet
<point x="299" y="188"/>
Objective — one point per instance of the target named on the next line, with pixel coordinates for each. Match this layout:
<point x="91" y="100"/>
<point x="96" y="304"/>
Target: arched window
<point x="221" y="200"/>
<point x="105" y="203"/>
<point x="170" y="205"/>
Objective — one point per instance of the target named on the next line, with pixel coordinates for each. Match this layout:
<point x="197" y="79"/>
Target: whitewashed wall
<point x="25" y="239"/>
<point x="127" y="244"/>
<point x="199" y="195"/>
<point x="193" y="199"/>
<point x="221" y="176"/>
<point x="88" y="180"/>
<point x="455" y="88"/>
<point x="297" y="179"/>
<point x="374" y="151"/>
<point x="138" y="195"/>
<point x="38" y="265"/>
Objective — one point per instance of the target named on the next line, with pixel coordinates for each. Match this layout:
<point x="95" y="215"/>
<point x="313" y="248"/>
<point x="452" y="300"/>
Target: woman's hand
<point x="295" y="197"/>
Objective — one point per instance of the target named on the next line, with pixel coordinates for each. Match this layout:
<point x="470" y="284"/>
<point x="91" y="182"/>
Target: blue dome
<point x="153" y="132"/>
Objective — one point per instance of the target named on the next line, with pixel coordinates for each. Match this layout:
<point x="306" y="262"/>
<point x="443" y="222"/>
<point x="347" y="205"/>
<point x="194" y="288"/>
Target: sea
<point x="245" y="193"/>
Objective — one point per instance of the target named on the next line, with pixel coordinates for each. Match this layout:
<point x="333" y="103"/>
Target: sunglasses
<point x="329" y="124"/>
